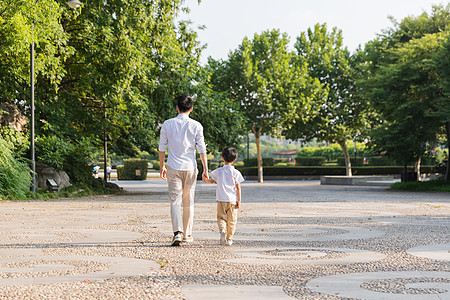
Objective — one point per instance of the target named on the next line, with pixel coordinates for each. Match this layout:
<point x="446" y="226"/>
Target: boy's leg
<point x="232" y="212"/>
<point x="221" y="216"/>
<point x="189" y="183"/>
<point x="176" y="197"/>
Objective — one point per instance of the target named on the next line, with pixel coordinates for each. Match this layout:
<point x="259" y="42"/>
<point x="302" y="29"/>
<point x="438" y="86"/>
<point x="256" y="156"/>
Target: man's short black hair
<point x="229" y="154"/>
<point x="184" y="103"/>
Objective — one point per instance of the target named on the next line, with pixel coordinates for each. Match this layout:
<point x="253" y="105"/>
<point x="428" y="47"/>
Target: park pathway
<point x="294" y="240"/>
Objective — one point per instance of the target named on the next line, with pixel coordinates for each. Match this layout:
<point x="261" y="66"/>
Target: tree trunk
<point x="447" y="171"/>
<point x="259" y="155"/>
<point x="417" y="168"/>
<point x="348" y="164"/>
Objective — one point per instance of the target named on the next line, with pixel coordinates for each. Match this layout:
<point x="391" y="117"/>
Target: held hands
<point x="238" y="204"/>
<point x="205" y="177"/>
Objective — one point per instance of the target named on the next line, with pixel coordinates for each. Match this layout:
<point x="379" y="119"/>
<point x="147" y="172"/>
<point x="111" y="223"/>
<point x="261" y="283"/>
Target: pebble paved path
<point x="295" y="240"/>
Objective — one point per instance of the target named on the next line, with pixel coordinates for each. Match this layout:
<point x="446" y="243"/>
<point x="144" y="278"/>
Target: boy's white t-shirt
<point x="226" y="178"/>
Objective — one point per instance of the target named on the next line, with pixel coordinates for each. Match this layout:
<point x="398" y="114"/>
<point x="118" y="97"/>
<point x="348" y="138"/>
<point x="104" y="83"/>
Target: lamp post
<point x="72" y="4"/>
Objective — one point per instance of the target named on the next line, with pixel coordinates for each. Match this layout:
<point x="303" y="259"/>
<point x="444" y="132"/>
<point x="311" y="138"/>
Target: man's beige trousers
<point x="227" y="218"/>
<point x="181" y="194"/>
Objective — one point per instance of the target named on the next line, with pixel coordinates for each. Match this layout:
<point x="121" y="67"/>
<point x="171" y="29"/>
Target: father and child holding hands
<point x="182" y="135"/>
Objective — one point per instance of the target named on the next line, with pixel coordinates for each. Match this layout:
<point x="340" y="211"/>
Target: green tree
<point x="110" y="68"/>
<point x="405" y="86"/>
<point x="403" y="92"/>
<point x="343" y="114"/>
<point x="16" y="34"/>
<point x="271" y="90"/>
<point x="441" y="104"/>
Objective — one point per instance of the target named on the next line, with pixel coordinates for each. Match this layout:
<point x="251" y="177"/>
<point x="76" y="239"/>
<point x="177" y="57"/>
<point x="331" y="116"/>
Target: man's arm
<point x="204" y="159"/>
<point x="162" y="165"/>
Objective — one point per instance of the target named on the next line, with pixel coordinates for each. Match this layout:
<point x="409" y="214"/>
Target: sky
<point x="229" y="21"/>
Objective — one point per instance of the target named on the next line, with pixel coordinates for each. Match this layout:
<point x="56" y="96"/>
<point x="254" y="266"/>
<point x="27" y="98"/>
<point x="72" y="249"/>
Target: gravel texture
<point x="271" y="210"/>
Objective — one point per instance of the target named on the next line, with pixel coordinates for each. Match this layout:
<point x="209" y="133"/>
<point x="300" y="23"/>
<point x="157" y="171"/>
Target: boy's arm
<point x="238" y="193"/>
<point x="163" y="143"/>
<point x="209" y="180"/>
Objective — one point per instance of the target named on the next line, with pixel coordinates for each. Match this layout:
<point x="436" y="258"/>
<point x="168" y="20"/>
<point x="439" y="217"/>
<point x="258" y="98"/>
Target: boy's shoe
<point x="229" y="242"/>
<point x="177" y="239"/>
<point x="188" y="239"/>
<point x="222" y="238"/>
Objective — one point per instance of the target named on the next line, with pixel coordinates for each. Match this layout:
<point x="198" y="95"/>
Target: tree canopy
<point x="261" y="76"/>
<point x="406" y="84"/>
<point x="342" y="114"/>
<point x="108" y="69"/>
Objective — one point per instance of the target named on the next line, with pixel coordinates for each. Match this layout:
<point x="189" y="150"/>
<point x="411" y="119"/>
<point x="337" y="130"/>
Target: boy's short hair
<point x="184" y="103"/>
<point x="229" y="154"/>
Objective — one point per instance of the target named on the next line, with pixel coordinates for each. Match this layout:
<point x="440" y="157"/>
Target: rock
<point x="44" y="172"/>
<point x="113" y="186"/>
<point x="11" y="116"/>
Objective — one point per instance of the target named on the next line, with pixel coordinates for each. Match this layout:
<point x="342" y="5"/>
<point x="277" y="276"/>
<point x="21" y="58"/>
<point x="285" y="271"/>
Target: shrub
<point x="239" y="164"/>
<point x="280" y="164"/>
<point x="156" y="165"/>
<point x="268" y="161"/>
<point x="72" y="157"/>
<point x="76" y="164"/>
<point x="15" y="178"/>
<point x="18" y="141"/>
<point x="359" y="161"/>
<point x="334" y="151"/>
<point x="213" y="165"/>
<point x="381" y="161"/>
<point x="310" y="161"/>
<point x="120" y="175"/>
<point x="135" y="169"/>
<point x="101" y="161"/>
<point x="294" y="171"/>
<point x="280" y="160"/>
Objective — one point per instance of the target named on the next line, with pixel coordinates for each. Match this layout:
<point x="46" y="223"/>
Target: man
<point x="182" y="135"/>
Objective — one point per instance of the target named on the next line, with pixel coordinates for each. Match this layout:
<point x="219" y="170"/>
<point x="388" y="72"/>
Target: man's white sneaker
<point x="177" y="240"/>
<point x="229" y="242"/>
<point x="222" y="238"/>
<point x="188" y="239"/>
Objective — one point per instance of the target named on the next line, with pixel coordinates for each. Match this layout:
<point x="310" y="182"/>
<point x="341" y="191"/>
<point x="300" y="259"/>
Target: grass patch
<point x="437" y="185"/>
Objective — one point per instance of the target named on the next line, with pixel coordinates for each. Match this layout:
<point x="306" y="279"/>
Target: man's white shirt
<point x="226" y="178"/>
<point x="182" y="134"/>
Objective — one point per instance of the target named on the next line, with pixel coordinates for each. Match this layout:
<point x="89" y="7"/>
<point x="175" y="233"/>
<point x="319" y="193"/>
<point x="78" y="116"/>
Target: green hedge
<point x="310" y="161"/>
<point x="371" y="161"/>
<point x="156" y="165"/>
<point x="359" y="161"/>
<point x="298" y="171"/>
<point x="120" y="175"/>
<point x="268" y="161"/>
<point x="238" y="164"/>
<point x="280" y="164"/>
<point x="133" y="166"/>
<point x="280" y="160"/>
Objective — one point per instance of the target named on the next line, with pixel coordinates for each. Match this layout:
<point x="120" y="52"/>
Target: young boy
<point x="228" y="195"/>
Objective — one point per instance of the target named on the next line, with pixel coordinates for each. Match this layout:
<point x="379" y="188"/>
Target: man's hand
<point x="163" y="173"/>
<point x="205" y="176"/>
<point x="238" y="204"/>
<point x="162" y="163"/>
